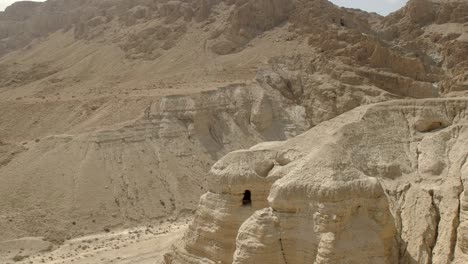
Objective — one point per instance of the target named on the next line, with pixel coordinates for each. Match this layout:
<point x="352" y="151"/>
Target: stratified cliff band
<point x="113" y="112"/>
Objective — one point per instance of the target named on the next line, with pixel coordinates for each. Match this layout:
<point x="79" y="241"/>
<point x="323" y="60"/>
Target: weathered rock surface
<point x="383" y="183"/>
<point x="175" y="139"/>
<point x="113" y="111"/>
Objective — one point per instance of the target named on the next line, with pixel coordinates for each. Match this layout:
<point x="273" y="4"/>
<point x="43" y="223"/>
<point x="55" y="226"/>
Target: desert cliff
<point x="114" y="111"/>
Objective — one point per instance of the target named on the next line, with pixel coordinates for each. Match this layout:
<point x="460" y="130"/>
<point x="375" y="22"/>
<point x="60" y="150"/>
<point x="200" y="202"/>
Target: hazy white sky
<point x="382" y="7"/>
<point x="5" y="3"/>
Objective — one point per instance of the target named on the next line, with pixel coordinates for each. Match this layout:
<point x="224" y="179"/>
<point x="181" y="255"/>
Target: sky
<point x="5" y="3"/>
<point x="383" y="7"/>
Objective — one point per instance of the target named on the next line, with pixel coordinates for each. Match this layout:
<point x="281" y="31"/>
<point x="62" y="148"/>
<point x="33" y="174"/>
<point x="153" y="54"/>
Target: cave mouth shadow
<point x="247" y="199"/>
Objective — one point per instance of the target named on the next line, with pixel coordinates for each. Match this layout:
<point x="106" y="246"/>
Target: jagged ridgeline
<point x="114" y="111"/>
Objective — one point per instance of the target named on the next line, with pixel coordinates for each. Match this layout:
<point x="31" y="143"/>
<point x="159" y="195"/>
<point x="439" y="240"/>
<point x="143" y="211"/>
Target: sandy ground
<point x="141" y="245"/>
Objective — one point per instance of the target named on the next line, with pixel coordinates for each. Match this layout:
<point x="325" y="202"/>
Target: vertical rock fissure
<point x="453" y="242"/>
<point x="282" y="250"/>
<point x="281" y="241"/>
<point x="417" y="157"/>
<point x="437" y="220"/>
<point x="408" y="144"/>
<point x="404" y="245"/>
<point x="396" y="203"/>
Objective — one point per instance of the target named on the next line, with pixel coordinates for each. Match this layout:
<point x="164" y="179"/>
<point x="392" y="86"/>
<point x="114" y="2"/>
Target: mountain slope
<point x="114" y="111"/>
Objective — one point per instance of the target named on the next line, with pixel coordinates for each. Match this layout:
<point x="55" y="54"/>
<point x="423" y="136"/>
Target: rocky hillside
<point x="383" y="183"/>
<point x="113" y="111"/>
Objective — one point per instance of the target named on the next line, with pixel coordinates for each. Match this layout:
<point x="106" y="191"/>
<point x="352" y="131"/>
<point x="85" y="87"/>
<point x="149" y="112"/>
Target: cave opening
<point x="342" y="22"/>
<point x="247" y="200"/>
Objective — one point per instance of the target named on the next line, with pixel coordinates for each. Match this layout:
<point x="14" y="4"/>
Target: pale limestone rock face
<point x="174" y="138"/>
<point x="462" y="231"/>
<point x="379" y="184"/>
<point x="113" y="111"/>
<point x="245" y="171"/>
<point x="242" y="28"/>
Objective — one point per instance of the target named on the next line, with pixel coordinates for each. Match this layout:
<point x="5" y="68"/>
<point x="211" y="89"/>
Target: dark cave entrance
<point x="342" y="22"/>
<point x="247" y="200"/>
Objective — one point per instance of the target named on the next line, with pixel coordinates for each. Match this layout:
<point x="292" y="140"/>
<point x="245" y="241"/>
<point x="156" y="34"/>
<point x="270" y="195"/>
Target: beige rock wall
<point x="379" y="184"/>
<point x="111" y="111"/>
<point x="140" y="170"/>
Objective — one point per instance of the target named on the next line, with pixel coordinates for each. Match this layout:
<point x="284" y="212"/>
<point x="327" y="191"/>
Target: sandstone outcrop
<point x="383" y="183"/>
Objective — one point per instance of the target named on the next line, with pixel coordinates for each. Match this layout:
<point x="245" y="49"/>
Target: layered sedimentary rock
<point x="113" y="111"/>
<point x="145" y="169"/>
<point x="383" y="183"/>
